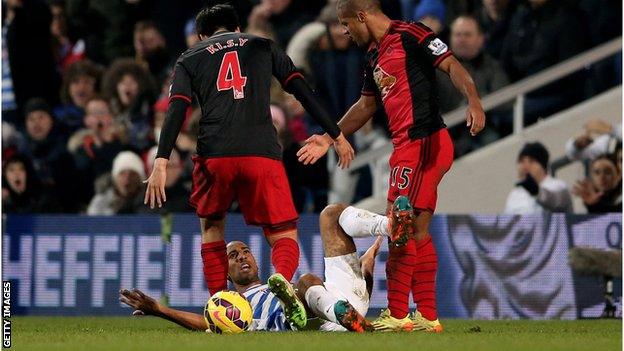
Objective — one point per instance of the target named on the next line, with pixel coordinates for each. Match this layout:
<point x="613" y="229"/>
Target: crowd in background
<point x="85" y="90"/>
<point x="598" y="147"/>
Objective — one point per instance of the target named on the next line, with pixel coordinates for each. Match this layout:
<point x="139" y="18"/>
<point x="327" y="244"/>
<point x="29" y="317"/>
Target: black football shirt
<point x="230" y="74"/>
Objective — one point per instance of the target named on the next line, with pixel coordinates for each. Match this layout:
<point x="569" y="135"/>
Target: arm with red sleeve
<point x="420" y="37"/>
<point x="179" y="101"/>
<point x="293" y="82"/>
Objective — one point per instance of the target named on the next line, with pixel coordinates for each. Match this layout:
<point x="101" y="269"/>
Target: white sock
<point x="359" y="223"/>
<point x="321" y="302"/>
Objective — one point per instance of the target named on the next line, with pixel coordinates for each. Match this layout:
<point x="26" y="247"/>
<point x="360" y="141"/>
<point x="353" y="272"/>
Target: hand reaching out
<point x="316" y="147"/>
<point x="586" y="191"/>
<point x="142" y="304"/>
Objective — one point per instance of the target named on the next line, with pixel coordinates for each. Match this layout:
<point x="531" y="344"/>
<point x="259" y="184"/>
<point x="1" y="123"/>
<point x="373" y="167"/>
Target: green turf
<point x="148" y="333"/>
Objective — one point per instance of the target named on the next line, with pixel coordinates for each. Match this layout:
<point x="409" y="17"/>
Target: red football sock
<point x="423" y="281"/>
<point x="214" y="256"/>
<point x="399" y="269"/>
<point x="285" y="257"/>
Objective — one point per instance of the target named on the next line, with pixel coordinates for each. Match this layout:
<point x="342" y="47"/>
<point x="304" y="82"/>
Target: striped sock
<point x="399" y="269"/>
<point x="285" y="257"/>
<point x="214" y="256"/>
<point x="423" y="282"/>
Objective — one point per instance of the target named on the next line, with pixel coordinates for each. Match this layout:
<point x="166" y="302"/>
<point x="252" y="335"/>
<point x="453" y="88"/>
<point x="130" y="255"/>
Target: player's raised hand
<point x="344" y="150"/>
<point x="155" y="192"/>
<point x="142" y="304"/>
<point x="475" y="118"/>
<point x="315" y="147"/>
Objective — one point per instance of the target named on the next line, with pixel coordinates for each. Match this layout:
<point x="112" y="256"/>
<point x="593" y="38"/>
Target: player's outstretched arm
<point x="317" y="145"/>
<point x="475" y="117"/>
<point x="179" y="100"/>
<point x="357" y="116"/>
<point x="145" y="305"/>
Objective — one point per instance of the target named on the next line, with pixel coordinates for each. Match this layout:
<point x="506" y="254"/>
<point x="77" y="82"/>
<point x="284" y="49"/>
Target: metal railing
<point x="515" y="92"/>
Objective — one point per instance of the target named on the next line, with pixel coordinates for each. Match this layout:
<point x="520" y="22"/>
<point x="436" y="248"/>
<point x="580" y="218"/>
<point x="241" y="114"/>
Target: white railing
<point x="515" y="92"/>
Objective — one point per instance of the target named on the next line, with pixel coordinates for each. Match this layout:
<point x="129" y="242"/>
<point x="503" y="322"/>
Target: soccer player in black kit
<point x="238" y="155"/>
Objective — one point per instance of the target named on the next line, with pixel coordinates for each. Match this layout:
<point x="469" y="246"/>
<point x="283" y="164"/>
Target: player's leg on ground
<point x="293" y="307"/>
<point x="359" y="223"/>
<point x="284" y="250"/>
<point x="319" y="300"/>
<point x="367" y="261"/>
<point x="424" y="277"/>
<point x="214" y="254"/>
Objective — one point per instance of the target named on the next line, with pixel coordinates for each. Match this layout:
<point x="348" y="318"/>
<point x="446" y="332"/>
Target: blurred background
<point x="85" y="91"/>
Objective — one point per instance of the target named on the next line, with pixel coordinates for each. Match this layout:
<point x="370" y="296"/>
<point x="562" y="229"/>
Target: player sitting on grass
<point x="341" y="301"/>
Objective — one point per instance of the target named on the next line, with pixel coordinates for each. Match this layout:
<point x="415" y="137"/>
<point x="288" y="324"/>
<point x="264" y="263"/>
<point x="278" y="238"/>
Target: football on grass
<point x="228" y="312"/>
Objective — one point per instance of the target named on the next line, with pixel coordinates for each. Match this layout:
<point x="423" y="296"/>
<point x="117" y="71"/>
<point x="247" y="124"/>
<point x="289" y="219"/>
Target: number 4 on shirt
<point x="230" y="76"/>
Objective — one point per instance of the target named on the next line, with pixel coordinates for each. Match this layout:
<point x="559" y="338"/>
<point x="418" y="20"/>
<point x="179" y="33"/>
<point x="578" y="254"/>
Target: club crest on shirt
<point x="437" y="47"/>
<point x="384" y="81"/>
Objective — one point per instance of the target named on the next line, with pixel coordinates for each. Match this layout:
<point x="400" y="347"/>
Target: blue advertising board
<point x="490" y="267"/>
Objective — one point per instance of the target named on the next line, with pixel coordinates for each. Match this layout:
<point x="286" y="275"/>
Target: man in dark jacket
<point x="31" y="59"/>
<point x="53" y="165"/>
<point x="543" y="33"/>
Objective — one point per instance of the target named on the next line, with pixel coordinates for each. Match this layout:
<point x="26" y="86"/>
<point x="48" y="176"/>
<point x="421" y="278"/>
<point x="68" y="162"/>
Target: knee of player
<point x="332" y="212"/>
<point x="308" y="280"/>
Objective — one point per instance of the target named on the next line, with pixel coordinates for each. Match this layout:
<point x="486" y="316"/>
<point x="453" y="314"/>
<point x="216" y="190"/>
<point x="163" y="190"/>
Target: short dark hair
<point x="536" y="151"/>
<point x="212" y="18"/>
<point x="350" y="8"/>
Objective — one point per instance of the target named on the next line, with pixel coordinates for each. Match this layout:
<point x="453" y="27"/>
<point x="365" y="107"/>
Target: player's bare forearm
<point x="461" y="79"/>
<point x="188" y="320"/>
<point x="357" y="116"/>
<point x="475" y="117"/>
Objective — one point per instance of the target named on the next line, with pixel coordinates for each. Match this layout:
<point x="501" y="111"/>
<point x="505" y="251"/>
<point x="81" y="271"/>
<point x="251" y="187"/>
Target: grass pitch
<point x="148" y="333"/>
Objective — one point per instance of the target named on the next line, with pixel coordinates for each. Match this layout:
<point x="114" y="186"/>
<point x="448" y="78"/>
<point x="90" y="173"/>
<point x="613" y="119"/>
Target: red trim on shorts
<point x="367" y="93"/>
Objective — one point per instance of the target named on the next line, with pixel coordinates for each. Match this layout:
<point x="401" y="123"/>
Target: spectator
<point x="31" y="60"/>
<point x="95" y="146"/>
<point x="46" y="148"/>
<point x="80" y="84"/>
<point x="121" y="192"/>
<point x="105" y="26"/>
<point x="494" y="18"/>
<point x="467" y="44"/>
<point x="131" y="92"/>
<point x="335" y="64"/>
<point x="176" y="188"/>
<point x="543" y="33"/>
<point x="536" y="191"/>
<point x="599" y="138"/>
<point x="284" y="17"/>
<point x="602" y="192"/>
<point x="21" y="190"/>
<point x="13" y="142"/>
<point x="67" y="49"/>
<point x="431" y="13"/>
<point x="151" y="49"/>
<point x="190" y="34"/>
